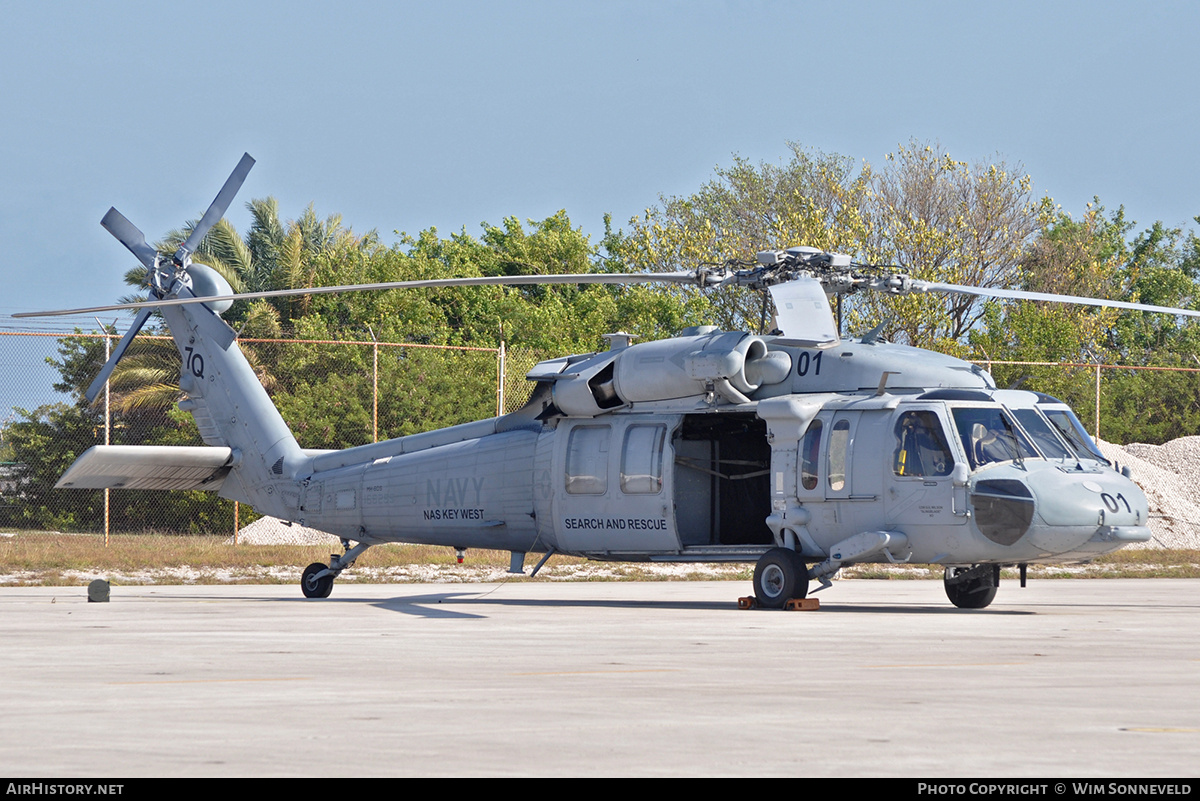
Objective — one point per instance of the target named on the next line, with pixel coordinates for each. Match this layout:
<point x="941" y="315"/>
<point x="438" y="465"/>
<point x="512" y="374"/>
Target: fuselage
<point x="932" y="452"/>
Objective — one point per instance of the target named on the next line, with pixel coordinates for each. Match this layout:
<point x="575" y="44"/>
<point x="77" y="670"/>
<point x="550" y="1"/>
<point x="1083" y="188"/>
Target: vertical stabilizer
<point x="232" y="409"/>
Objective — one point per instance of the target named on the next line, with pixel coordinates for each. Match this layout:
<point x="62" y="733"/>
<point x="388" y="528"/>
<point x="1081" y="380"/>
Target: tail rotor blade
<point x="219" y="205"/>
<point x="128" y="235"/>
<point x="118" y="352"/>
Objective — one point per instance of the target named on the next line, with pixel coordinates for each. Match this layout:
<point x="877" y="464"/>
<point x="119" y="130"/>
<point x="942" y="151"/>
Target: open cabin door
<point x="722" y="469"/>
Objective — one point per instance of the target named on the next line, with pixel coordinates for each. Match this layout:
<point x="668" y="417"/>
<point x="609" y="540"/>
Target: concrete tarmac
<point x="1065" y="678"/>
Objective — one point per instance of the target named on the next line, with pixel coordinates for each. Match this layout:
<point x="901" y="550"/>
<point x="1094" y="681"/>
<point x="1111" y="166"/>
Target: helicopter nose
<point x="1075" y="508"/>
<point x="1056" y="512"/>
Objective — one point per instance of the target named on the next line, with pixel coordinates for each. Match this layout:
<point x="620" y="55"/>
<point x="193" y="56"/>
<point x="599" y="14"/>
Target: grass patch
<point x="1140" y="563"/>
<point x="53" y="559"/>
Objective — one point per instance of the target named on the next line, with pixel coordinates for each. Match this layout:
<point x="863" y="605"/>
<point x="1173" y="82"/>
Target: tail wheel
<point x="314" y="587"/>
<point x="971" y="588"/>
<point x="780" y="574"/>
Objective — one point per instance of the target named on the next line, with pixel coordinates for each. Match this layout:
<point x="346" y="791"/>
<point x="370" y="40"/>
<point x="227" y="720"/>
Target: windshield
<point x="1067" y="424"/>
<point x="989" y="436"/>
<point x="1043" y="435"/>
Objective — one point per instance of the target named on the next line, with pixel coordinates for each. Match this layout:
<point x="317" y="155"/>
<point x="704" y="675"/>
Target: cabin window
<point x="642" y="460"/>
<point x="809" y="453"/>
<point x="839" y="439"/>
<point x="921" y="448"/>
<point x="587" y="460"/>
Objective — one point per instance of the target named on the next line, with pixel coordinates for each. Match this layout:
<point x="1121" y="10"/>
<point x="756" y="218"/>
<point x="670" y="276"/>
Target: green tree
<point x="932" y="216"/>
<point x="1067" y="257"/>
<point x="1094" y="256"/>
<point x="941" y="219"/>
<point x="47" y="440"/>
<point x="1162" y="268"/>
<point x="43" y="444"/>
<point x="325" y="391"/>
<point x="812" y="199"/>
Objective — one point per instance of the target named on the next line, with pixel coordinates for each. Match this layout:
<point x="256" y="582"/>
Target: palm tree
<point x="272" y="255"/>
<point x="304" y="242"/>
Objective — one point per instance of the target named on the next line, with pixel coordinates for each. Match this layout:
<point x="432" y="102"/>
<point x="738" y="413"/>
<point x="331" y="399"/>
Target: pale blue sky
<point x="409" y="115"/>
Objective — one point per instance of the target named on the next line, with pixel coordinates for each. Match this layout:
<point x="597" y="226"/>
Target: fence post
<point x="374" y="387"/>
<point x="1096" y="428"/>
<point x="375" y="394"/>
<point x="107" y="425"/>
<point x="500" y="375"/>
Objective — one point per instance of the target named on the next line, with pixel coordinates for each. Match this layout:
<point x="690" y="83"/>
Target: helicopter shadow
<point x="470" y="605"/>
<point x="429" y="605"/>
<point x="455" y="604"/>
<point x="876" y="609"/>
<point x="458" y="604"/>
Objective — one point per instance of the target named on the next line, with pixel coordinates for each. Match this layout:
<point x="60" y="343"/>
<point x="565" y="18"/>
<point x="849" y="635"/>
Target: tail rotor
<point x="165" y="282"/>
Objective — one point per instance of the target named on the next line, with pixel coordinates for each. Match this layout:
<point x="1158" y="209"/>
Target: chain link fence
<point x="1118" y="403"/>
<point x="333" y="394"/>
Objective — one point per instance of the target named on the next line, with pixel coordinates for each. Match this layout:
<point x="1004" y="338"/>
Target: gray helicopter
<point x="799" y="451"/>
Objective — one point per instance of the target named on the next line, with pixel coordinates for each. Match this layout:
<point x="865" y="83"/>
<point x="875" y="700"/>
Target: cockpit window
<point x="921" y="448"/>
<point x="1043" y="435"/>
<point x="1068" y="425"/>
<point x="988" y="435"/>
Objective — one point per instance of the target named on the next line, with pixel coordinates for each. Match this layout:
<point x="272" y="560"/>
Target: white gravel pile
<point x="1169" y="475"/>
<point x="273" y="531"/>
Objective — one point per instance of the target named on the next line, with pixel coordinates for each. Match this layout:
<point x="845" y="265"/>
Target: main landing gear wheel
<point x="314" y="587"/>
<point x="780" y="574"/>
<point x="971" y="588"/>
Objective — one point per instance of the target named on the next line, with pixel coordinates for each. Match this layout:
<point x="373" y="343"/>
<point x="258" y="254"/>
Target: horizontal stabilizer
<point x="149" y="467"/>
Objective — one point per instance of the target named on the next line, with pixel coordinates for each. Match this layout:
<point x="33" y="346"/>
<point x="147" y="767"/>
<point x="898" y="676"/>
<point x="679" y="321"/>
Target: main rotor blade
<point x="693" y="277"/>
<point x="128" y="235"/>
<point x="1020" y="294"/>
<point x="98" y="384"/>
<point x="220" y="204"/>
